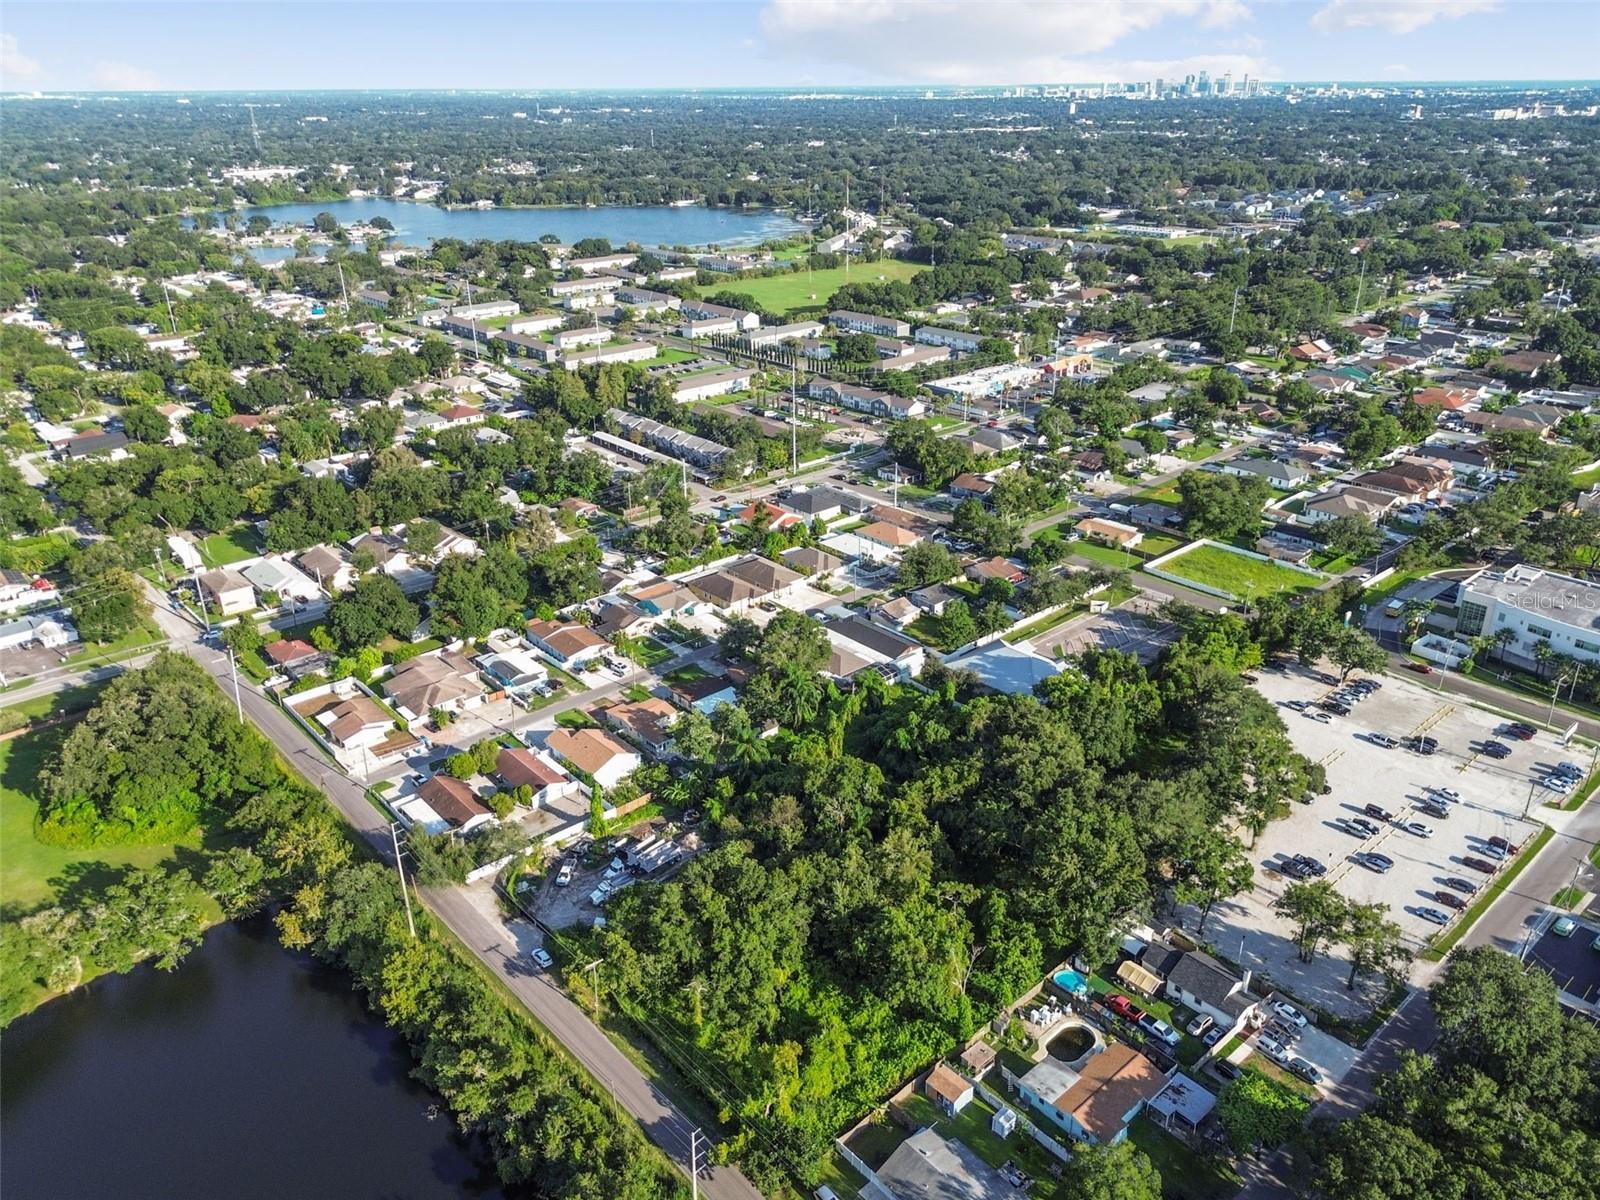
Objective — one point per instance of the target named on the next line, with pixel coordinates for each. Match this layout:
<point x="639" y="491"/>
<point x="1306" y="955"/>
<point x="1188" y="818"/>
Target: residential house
<point x="967" y="486"/>
<point x="514" y="672"/>
<point x="1527" y="364"/>
<point x="865" y="400"/>
<point x="1011" y="670"/>
<point x="294" y="657"/>
<point x="768" y="516"/>
<point x="663" y="599"/>
<point x="281" y="578"/>
<point x="896" y="613"/>
<point x="1447" y="399"/>
<point x="1348" y="501"/>
<point x="646" y="723"/>
<point x="1097" y="1102"/>
<point x="1286" y="476"/>
<point x="447" y="681"/>
<point x="227" y="591"/>
<point x="948" y="1090"/>
<point x="1201" y="983"/>
<point x="96" y="445"/>
<point x="995" y="568"/>
<point x="899" y="656"/>
<point x="1112" y="533"/>
<point x="813" y="562"/>
<point x="734" y="588"/>
<point x="883" y="540"/>
<point x="456" y="803"/>
<point x="855" y="322"/>
<point x="929" y="1166"/>
<point x="703" y="310"/>
<point x="388" y="551"/>
<point x="1313" y="351"/>
<point x="49" y="631"/>
<point x="777" y="335"/>
<point x="355" y="723"/>
<point x="330" y="566"/>
<point x="933" y="597"/>
<point x="516" y="767"/>
<point x="595" y="754"/>
<point x="705" y="694"/>
<point x="566" y="643"/>
<point x="821" y="503"/>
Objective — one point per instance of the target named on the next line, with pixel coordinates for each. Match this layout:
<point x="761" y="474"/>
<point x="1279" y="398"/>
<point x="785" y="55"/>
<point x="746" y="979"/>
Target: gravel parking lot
<point x="1494" y="795"/>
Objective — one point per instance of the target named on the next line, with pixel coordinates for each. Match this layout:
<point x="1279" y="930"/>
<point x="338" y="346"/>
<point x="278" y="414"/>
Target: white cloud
<point x="125" y="77"/>
<point x="1395" y="16"/>
<point x="15" y="66"/>
<point x="961" y="42"/>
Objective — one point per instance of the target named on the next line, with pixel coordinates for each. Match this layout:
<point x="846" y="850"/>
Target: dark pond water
<point x="248" y="1072"/>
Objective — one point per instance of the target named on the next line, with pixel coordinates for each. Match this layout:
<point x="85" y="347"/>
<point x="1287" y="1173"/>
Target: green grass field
<point x="32" y="872"/>
<point x="237" y="544"/>
<point x="785" y="293"/>
<point x="1241" y="577"/>
<point x="1185" y="1175"/>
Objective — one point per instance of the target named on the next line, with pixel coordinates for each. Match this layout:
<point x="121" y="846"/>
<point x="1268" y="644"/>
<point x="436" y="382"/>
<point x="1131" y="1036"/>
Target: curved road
<point x="489" y="937"/>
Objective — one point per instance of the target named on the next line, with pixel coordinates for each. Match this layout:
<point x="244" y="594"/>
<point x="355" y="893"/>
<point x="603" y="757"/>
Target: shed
<point x="1003" y="1122"/>
<point x="1145" y="982"/>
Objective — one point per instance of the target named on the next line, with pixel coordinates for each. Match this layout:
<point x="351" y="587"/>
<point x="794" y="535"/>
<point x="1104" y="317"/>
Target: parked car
<point x="1433" y="914"/>
<point x="1461" y="885"/>
<point x="1418" y="829"/>
<point x="564" y="876"/>
<point x="1299" y="705"/>
<point x="1378" y="812"/>
<point x="1213" y="1035"/>
<point x="1310" y="865"/>
<point x="1384" y="740"/>
<point x="1225" y="1068"/>
<point x="1382" y="864"/>
<point x="1200" y="1025"/>
<point x="1160" y="1030"/>
<point x="1494" y="853"/>
<point x="1478" y="864"/>
<point x="541" y="957"/>
<point x="1446" y="794"/>
<point x="1449" y="899"/>
<point x="1279" y="1032"/>
<point x="1273" y="1049"/>
<point x="1505" y="844"/>
<point x="1336" y="707"/>
<point x="1521" y="730"/>
<point x="1320" y="717"/>
<point x="1434" y="809"/>
<point x="1289" y="1014"/>
<point x="1563" y="927"/>
<point x="1497" y="750"/>
<point x="1124" y="1008"/>
<point x="1305" y="1070"/>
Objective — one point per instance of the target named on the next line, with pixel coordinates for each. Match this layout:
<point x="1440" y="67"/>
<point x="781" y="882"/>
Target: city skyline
<point x="97" y="46"/>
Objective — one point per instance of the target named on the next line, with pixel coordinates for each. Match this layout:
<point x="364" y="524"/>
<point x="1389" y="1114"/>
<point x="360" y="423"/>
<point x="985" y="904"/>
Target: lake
<point x="247" y="1072"/>
<point x="420" y="224"/>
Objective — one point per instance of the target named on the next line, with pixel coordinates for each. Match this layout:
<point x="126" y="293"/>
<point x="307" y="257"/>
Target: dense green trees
<point x="1505" y="1104"/>
<point x="374" y="609"/>
<point x="1221" y="506"/>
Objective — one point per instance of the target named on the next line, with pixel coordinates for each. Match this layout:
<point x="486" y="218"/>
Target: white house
<point x="600" y="755"/>
<point x="964" y="341"/>
<point x="227" y="591"/>
<point x="712" y="383"/>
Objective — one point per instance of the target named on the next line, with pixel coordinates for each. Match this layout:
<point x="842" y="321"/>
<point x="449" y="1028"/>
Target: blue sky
<point x="241" y="44"/>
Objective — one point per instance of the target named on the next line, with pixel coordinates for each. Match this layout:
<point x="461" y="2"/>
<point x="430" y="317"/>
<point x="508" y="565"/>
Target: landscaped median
<point x="1445" y="942"/>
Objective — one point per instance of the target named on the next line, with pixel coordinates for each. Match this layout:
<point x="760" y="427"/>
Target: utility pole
<point x="172" y="320"/>
<point x="238" y="701"/>
<point x="694" y="1164"/>
<point x="794" y="421"/>
<point x="1361" y="282"/>
<point x="400" y="867"/>
<point x="1234" y="312"/>
<point x="344" y="291"/>
<point x="594" y="979"/>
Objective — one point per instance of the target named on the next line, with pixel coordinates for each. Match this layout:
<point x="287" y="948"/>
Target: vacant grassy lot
<point x="784" y="293"/>
<point x="32" y="873"/>
<point x="1244" y="578"/>
<point x="237" y="544"/>
<point x="1185" y="1175"/>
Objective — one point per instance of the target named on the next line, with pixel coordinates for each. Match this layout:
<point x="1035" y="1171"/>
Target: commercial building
<point x="1532" y="606"/>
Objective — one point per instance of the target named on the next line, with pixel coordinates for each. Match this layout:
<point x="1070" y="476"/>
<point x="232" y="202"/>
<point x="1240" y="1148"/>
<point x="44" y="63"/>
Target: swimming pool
<point x="1071" y="982"/>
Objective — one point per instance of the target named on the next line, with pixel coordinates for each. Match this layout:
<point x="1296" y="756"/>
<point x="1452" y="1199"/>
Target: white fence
<point x="1044" y="1139"/>
<point x="874" y="1186"/>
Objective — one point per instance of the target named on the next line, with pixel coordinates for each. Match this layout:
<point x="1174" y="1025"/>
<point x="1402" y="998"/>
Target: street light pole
<point x="238" y="702"/>
<point x="399" y="866"/>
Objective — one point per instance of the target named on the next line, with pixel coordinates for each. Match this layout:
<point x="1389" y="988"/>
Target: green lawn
<point x="1586" y="479"/>
<point x="687" y="673"/>
<point x="1264" y="1066"/>
<point x="1241" y="577"/>
<point x="1105" y="556"/>
<point x="636" y="693"/>
<point x="971" y="1127"/>
<point x="237" y="544"/>
<point x="35" y="554"/>
<point x="1567" y="897"/>
<point x="143" y="634"/>
<point x="1185" y="1175"/>
<point x="32" y="872"/>
<point x="1165" y="493"/>
<point x="575" y="718"/>
<point x="784" y="293"/>
<point x="652" y="652"/>
<point x="1154" y="545"/>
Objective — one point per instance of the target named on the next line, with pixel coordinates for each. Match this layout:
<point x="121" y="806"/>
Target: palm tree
<point x="1544" y="654"/>
<point x="1414" y="615"/>
<point x="1503" y="638"/>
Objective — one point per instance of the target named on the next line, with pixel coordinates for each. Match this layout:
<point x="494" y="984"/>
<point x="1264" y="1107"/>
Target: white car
<point x="1446" y="794"/>
<point x="564" y="876"/>
<point x="541" y="957"/>
<point x="1273" y="1049"/>
<point x="1289" y="1014"/>
<point x="1418" y="829"/>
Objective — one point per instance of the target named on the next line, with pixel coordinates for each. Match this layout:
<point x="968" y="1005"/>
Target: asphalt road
<point x="489" y="938"/>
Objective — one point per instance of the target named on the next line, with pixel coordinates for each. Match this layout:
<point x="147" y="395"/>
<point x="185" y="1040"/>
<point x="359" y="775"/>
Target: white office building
<point x="1536" y="606"/>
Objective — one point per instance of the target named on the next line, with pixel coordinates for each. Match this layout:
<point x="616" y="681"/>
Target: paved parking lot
<point x="1131" y="630"/>
<point x="1493" y="794"/>
<point x="1572" y="961"/>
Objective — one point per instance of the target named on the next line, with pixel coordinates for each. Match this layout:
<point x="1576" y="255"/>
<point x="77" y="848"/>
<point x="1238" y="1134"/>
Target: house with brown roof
<point x="1112" y="533"/>
<point x="969" y="486"/>
<point x="566" y="643"/>
<point x="445" y="681"/>
<point x="735" y="587"/>
<point x="455" y="802"/>
<point x="330" y="566"/>
<point x="949" y="1092"/>
<point x="646" y="723"/>
<point x="1446" y="399"/>
<point x="889" y="538"/>
<point x="1097" y="1102"/>
<point x="516" y="767"/>
<point x="294" y="657"/>
<point x="995" y="568"/>
<point x="355" y="723"/>
<point x="595" y="753"/>
<point x="227" y="591"/>
<point x="1348" y="501"/>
